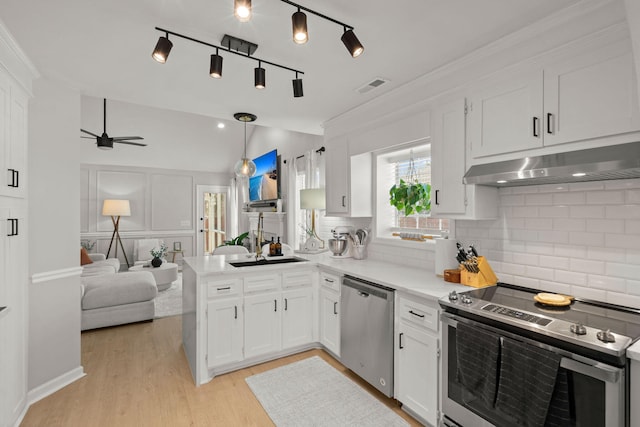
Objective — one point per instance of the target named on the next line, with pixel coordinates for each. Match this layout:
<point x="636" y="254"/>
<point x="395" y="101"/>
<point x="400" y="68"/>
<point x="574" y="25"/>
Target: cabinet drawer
<point x="419" y="314"/>
<point x="224" y="288"/>
<point x="331" y="281"/>
<point x="294" y="279"/>
<point x="265" y="282"/>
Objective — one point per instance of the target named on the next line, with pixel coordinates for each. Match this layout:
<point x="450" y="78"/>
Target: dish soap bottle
<point x="278" y="247"/>
<point x="272" y="248"/>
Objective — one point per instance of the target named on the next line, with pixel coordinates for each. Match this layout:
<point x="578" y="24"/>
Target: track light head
<point x="299" y="22"/>
<point x="162" y="49"/>
<point x="242" y="10"/>
<point x="215" y="69"/>
<point x="260" y="77"/>
<point x="297" y="87"/>
<point x="352" y="43"/>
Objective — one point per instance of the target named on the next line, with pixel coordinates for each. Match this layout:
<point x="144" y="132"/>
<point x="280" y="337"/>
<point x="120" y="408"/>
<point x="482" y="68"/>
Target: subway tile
<point x="526" y="189"/>
<point x="633" y="287"/>
<point x="631" y="226"/>
<point x="625" y="241"/>
<point x="622" y="184"/>
<point x="522" y="235"/>
<point x="538" y="199"/>
<point x="507" y="278"/>
<point x="606" y="225"/>
<point x="514" y="246"/>
<point x="553" y="188"/>
<point x="550" y="236"/>
<point x="553" y="211"/>
<point x="516" y="269"/>
<point x="551" y="286"/>
<point x="632" y="196"/>
<point x="569" y="224"/>
<point x="587" y="266"/>
<point x="525" y="258"/>
<point x="623" y="211"/>
<point x="592" y="211"/>
<point x="586" y="238"/>
<point x="505" y="190"/>
<point x="607" y="283"/>
<point x="570" y="277"/>
<point x="633" y="256"/>
<point x="570" y="198"/>
<point x="570" y="251"/>
<point x="512" y="200"/>
<point x="586" y="186"/>
<point x="525" y="212"/>
<point x="527" y="282"/>
<point x="539" y="248"/>
<point x="554" y="262"/>
<point x="609" y="197"/>
<point x="623" y="299"/>
<point x="539" y="273"/>
<point x="538" y="223"/>
<point x="628" y="271"/>
<point x="606" y="254"/>
<point x="588" y="293"/>
<point x="514" y="223"/>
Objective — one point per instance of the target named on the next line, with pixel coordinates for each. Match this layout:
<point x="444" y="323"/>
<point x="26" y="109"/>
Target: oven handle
<point x="591" y="368"/>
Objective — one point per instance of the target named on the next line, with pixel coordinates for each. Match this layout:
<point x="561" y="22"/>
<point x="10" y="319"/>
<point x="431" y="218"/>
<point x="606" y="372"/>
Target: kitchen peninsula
<point x="235" y="317"/>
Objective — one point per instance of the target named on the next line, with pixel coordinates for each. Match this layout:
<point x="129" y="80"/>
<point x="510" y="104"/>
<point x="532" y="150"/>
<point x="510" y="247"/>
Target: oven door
<point x="596" y="390"/>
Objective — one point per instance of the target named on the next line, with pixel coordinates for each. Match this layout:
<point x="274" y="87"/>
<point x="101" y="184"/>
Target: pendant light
<point x="162" y="49"/>
<point x="245" y="167"/>
<point x="352" y="43"/>
<point x="299" y="22"/>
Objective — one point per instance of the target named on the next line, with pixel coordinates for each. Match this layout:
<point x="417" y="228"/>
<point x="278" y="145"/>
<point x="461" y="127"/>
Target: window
<point x="391" y="167"/>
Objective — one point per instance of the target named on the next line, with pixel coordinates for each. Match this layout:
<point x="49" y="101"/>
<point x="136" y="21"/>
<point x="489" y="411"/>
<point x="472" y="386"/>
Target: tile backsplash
<point x="581" y="239"/>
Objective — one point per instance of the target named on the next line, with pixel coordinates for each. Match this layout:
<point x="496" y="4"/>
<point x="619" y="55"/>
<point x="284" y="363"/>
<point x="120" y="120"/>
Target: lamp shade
<point x="312" y="198"/>
<point x="112" y="207"/>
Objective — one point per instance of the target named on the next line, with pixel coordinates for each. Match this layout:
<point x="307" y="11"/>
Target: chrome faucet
<point x="259" y="237"/>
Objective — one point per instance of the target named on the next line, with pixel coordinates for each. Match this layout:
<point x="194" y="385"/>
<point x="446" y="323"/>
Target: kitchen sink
<point x="268" y="261"/>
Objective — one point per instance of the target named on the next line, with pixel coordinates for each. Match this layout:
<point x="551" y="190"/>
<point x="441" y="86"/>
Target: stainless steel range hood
<point x="594" y="164"/>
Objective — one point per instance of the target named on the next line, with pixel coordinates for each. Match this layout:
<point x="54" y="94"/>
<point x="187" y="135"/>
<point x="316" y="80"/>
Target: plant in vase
<point x="158" y="254"/>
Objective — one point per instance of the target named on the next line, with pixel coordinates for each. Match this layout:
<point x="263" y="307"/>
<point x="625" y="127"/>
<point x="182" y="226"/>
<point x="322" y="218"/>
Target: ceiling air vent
<point x="373" y="84"/>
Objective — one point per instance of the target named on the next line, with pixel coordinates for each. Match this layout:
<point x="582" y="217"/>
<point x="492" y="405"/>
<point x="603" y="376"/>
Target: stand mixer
<point x="340" y="245"/>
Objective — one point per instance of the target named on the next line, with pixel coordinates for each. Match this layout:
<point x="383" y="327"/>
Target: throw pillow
<point x="84" y="257"/>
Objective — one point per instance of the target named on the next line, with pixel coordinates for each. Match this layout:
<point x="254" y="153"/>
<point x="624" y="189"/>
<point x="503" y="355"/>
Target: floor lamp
<point x="313" y="198"/>
<point x="115" y="209"/>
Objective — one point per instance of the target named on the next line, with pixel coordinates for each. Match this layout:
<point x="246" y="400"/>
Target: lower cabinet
<point x="225" y="331"/>
<point x="417" y="384"/>
<point x="297" y="317"/>
<point x="330" y="320"/>
<point x="262" y="324"/>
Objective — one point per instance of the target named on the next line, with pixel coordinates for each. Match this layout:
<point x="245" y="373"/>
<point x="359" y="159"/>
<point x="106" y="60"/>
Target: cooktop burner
<point x="598" y="326"/>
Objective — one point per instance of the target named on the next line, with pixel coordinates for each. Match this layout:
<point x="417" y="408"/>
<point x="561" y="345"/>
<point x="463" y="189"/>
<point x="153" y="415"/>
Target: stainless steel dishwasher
<point x="366" y="331"/>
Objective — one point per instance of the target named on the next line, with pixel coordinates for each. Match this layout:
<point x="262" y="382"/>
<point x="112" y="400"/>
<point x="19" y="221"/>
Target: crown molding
<point x="14" y="60"/>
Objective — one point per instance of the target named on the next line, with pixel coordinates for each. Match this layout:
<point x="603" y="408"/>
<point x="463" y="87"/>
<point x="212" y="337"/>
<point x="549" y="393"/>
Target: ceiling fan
<point x="104" y="141"/>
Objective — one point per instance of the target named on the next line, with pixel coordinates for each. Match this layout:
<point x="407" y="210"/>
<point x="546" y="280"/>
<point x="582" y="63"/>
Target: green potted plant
<point x="236" y="241"/>
<point x="410" y="197"/>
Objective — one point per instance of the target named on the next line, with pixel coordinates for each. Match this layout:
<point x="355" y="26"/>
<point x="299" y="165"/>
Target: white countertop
<point x="420" y="282"/>
<point x="633" y="352"/>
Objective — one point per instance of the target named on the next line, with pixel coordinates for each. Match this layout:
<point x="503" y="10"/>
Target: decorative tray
<point x="556" y="300"/>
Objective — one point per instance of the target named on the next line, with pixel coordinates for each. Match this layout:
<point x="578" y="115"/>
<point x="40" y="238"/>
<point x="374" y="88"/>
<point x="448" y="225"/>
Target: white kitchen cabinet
<point x="262" y="324"/>
<point x="225" y="333"/>
<point x="330" y="320"/>
<point x="416" y="380"/>
<point x="577" y="93"/>
<point x="297" y="317"/>
<point x="348" y="188"/>
<point x="449" y="196"/>
<point x="13" y="138"/>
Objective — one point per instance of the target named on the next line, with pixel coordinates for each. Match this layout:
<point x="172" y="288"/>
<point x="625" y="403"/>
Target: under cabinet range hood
<point x="593" y="164"/>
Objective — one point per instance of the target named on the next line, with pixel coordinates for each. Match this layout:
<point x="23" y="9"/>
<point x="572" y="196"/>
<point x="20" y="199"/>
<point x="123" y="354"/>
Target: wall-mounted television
<point x="265" y="183"/>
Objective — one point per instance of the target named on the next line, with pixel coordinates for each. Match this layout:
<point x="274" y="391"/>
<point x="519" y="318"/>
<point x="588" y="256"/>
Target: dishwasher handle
<point x="363" y="294"/>
<point x="366" y="289"/>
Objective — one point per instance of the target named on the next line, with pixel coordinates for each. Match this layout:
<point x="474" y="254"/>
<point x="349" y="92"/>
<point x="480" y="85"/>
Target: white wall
<point x="54" y="200"/>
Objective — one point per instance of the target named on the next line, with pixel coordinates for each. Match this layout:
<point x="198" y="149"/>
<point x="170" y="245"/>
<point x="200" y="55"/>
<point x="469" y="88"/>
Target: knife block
<point x="485" y="277"/>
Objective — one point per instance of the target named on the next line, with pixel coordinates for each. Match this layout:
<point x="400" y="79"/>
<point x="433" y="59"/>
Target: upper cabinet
<point x="348" y="181"/>
<point x="13" y="137"/>
<point x="580" y="92"/>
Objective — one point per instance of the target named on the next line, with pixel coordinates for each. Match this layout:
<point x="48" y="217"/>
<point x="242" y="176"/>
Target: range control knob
<point x="466" y="299"/>
<point x="453" y="296"/>
<point x="606" y="336"/>
<point x="578" y="329"/>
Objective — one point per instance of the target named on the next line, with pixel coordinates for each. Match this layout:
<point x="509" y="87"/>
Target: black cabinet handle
<point x="275" y="305"/>
<point x="416" y="314"/>
<point x="15" y="178"/>
<point x="437" y="202"/>
<point x="335" y="304"/>
<point x="535" y="127"/>
<point x="344" y="198"/>
<point x="549" y="117"/>
<point x="285" y="304"/>
<point x="235" y="308"/>
<point x="328" y="280"/>
<point x="400" y="340"/>
<point x="226" y="288"/>
<point x="13" y="227"/>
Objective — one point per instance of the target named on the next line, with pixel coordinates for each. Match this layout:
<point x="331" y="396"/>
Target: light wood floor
<point x="137" y="375"/>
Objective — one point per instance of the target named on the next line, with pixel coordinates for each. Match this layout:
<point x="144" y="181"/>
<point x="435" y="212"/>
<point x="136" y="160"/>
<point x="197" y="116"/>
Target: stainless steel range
<point x="509" y="360"/>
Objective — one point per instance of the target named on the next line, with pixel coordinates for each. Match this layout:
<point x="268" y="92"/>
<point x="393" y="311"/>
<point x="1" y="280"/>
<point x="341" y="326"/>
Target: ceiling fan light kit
<point x="242" y="11"/>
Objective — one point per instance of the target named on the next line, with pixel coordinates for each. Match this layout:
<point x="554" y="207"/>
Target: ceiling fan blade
<point x="90" y="133"/>
<point x="122" y="138"/>
<point x="87" y="137"/>
<point x="130" y="143"/>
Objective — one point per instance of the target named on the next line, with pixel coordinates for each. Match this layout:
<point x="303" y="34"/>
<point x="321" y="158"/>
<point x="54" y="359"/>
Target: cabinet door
<point x="448" y="166"/>
<point x="17" y="155"/>
<point x="507" y="117"/>
<point x="330" y="321"/>
<point x="418" y="372"/>
<point x="224" y="331"/>
<point x="6" y="175"/>
<point x="297" y="317"/>
<point x="337" y="186"/>
<point x="591" y="95"/>
<point x="262" y="324"/>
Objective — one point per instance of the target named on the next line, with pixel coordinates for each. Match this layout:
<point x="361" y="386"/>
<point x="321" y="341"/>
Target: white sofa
<point x="110" y="298"/>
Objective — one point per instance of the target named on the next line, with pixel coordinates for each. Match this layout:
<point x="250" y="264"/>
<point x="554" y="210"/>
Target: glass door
<point x="212" y="217"/>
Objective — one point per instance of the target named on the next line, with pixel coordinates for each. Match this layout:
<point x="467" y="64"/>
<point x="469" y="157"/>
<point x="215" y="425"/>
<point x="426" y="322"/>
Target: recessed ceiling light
<point x="220" y="125"/>
<point x="577" y="174"/>
<point x="502" y="181"/>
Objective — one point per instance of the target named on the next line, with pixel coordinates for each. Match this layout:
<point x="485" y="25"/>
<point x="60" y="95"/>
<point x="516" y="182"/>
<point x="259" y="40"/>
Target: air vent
<point x="373" y="84"/>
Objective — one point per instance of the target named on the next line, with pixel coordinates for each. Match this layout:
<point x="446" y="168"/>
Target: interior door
<point x="213" y="217"/>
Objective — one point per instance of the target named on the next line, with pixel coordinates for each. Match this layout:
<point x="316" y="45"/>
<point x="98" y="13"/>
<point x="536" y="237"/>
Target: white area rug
<point x="169" y="301"/>
<point x="313" y="393"/>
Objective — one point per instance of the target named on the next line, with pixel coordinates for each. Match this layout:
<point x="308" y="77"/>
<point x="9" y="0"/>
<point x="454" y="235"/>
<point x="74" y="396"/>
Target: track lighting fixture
<point x="297" y="87"/>
<point x="215" y="69"/>
<point x="242" y="48"/>
<point x="299" y="21"/>
<point x="352" y="43"/>
<point x="245" y="167"/>
<point x="259" y="76"/>
<point x="162" y="49"/>
<point x="242" y="10"/>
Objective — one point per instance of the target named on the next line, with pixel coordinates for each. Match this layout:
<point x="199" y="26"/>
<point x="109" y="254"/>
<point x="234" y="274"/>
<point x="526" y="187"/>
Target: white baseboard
<point x="54" y="385"/>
